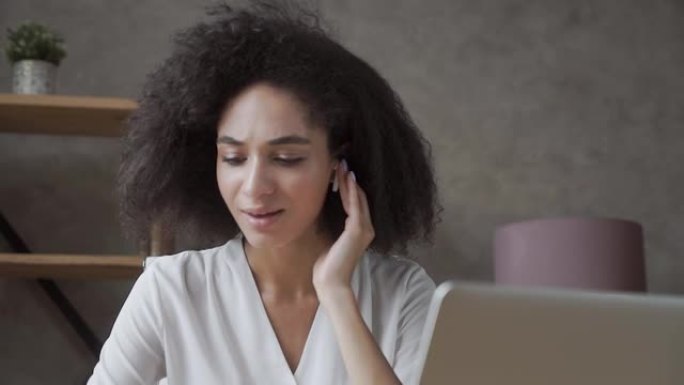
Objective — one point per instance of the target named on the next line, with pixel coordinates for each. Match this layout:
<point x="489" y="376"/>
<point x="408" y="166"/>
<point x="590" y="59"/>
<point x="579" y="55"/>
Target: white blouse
<point x="197" y="318"/>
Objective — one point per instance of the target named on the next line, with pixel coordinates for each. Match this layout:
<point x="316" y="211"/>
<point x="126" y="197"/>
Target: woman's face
<point x="273" y="166"/>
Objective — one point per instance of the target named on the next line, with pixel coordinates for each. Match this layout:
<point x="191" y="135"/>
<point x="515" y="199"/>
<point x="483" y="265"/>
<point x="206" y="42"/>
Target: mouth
<point x="262" y="213"/>
<point x="262" y="219"/>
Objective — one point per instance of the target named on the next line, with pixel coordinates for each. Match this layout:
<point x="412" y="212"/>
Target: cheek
<point x="228" y="186"/>
<point x="307" y="188"/>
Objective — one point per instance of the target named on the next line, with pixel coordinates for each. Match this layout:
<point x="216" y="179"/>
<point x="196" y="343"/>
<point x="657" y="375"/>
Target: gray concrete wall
<point x="534" y="108"/>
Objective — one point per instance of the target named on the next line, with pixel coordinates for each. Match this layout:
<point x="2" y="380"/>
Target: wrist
<point x="334" y="294"/>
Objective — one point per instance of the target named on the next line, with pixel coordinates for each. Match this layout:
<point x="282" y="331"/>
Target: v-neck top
<point x="197" y="317"/>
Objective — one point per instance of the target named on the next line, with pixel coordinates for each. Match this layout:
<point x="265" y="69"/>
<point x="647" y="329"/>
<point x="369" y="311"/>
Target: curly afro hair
<point x="168" y="170"/>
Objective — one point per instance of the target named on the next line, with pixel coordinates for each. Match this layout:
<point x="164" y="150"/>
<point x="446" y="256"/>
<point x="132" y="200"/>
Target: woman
<point x="263" y="131"/>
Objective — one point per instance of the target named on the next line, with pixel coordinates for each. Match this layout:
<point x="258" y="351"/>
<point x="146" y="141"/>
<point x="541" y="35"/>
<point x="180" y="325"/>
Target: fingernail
<point x="353" y="176"/>
<point x="345" y="166"/>
<point x="335" y="185"/>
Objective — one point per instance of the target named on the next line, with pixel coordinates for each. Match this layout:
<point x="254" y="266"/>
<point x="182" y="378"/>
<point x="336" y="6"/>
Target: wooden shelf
<point x="64" y="115"/>
<point x="69" y="115"/>
<point x="32" y="265"/>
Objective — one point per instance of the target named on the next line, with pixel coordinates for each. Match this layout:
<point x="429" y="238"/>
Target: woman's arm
<point x="133" y="353"/>
<point x="362" y="357"/>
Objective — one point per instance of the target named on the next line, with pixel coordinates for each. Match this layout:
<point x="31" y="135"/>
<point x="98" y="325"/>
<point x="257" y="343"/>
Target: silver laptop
<point x="494" y="335"/>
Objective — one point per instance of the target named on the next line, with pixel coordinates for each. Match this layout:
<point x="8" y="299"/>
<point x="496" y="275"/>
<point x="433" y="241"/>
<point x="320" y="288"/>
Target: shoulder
<point x="398" y="273"/>
<point x="190" y="267"/>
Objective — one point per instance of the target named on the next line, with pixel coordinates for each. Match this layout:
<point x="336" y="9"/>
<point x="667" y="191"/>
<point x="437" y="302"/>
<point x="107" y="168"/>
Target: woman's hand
<point x="333" y="270"/>
<point x="332" y="274"/>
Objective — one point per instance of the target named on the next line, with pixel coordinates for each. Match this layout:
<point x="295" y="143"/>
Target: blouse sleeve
<point x="133" y="353"/>
<point x="419" y="290"/>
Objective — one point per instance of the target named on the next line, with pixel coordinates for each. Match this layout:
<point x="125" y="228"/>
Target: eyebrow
<point x="289" y="139"/>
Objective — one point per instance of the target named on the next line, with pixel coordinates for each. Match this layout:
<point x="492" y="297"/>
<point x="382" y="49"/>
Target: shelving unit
<point x="70" y="115"/>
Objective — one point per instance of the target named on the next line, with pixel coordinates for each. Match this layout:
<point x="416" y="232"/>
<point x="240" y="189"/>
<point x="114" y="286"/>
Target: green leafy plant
<point x="33" y="41"/>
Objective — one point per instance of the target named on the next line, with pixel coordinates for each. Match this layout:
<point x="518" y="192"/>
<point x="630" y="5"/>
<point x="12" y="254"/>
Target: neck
<point x="285" y="273"/>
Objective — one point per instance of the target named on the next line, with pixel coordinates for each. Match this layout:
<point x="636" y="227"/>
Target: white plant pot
<point x="34" y="77"/>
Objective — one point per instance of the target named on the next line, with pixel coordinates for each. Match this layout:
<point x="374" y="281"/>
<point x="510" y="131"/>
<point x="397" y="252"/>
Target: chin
<point x="260" y="240"/>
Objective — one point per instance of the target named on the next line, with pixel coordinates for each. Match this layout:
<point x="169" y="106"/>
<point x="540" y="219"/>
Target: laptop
<point x="477" y="334"/>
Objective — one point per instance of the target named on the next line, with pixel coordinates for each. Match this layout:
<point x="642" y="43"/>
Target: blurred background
<point x="535" y="108"/>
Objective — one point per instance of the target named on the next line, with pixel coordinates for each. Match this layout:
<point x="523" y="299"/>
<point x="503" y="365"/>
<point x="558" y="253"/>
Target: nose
<point x="258" y="180"/>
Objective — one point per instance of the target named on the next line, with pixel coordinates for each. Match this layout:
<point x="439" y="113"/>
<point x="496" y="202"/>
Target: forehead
<point x="263" y="112"/>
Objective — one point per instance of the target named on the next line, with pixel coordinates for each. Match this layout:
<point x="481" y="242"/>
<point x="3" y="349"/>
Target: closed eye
<point x="288" y="161"/>
<point x="233" y="161"/>
<point x="236" y="161"/>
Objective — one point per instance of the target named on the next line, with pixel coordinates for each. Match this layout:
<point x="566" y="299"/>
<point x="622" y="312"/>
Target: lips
<point x="261" y="213"/>
<point x="262" y="219"/>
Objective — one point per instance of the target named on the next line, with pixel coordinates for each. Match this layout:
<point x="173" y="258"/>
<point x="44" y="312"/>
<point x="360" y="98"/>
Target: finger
<point x="364" y="220"/>
<point x="343" y="186"/>
<point x="353" y="195"/>
<point x="367" y="220"/>
<point x="363" y="199"/>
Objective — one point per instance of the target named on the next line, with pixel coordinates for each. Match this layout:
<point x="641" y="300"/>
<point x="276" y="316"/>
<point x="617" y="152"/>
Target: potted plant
<point x="35" y="52"/>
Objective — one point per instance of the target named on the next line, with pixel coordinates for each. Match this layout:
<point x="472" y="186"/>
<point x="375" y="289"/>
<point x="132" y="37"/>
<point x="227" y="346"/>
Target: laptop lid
<point x="479" y="334"/>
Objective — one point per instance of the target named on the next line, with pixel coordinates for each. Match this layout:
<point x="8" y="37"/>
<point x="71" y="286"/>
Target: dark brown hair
<point x="168" y="169"/>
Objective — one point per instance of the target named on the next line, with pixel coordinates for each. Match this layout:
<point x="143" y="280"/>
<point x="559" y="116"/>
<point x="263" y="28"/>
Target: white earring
<point x="335" y="186"/>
